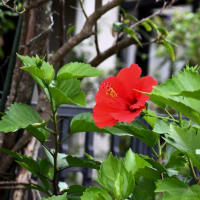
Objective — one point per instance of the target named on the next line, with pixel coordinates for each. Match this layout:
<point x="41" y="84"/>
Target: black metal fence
<point x="66" y="113"/>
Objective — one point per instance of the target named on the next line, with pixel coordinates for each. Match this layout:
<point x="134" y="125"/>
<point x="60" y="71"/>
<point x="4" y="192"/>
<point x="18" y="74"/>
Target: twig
<point x="98" y="3"/>
<point x="84" y="33"/>
<point x="83" y="10"/>
<point x="137" y="5"/>
<point x="13" y="9"/>
<point x="115" y="49"/>
<point x="151" y="16"/>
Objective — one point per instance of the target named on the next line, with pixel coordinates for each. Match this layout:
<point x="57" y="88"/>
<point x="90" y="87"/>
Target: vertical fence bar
<point x="115" y="145"/>
<point x="64" y="131"/>
<point x="89" y="148"/>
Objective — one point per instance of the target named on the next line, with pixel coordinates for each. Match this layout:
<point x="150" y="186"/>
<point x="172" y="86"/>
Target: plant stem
<point x="154" y="152"/>
<point x="159" y="151"/>
<point x="180" y="119"/>
<point x="192" y="170"/>
<point x="56" y="143"/>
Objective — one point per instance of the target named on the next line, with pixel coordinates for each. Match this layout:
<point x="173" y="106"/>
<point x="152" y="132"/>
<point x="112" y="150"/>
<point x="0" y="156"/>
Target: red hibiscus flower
<point x="119" y="98"/>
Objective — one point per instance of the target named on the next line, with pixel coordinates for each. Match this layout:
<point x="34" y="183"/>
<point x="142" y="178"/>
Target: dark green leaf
<point x="164" y="94"/>
<point x="186" y="140"/>
<point x="175" y="189"/>
<point x="84" y="122"/>
<point x="19" y="116"/>
<point x="38" y="132"/>
<point x="67" y="92"/>
<point x="82" y="162"/>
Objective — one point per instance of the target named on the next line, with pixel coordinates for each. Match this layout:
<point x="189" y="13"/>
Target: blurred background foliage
<point x="184" y="36"/>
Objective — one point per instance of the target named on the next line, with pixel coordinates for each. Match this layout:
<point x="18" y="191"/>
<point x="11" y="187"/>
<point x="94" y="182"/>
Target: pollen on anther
<point x="111" y="92"/>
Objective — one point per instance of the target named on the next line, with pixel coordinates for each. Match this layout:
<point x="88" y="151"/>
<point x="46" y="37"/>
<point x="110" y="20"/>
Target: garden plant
<point x="171" y="174"/>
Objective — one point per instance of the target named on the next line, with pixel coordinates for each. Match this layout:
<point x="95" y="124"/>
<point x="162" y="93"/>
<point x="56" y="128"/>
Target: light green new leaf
<point x="114" y="177"/>
<point x="84" y="122"/>
<point x="95" y="193"/>
<point x="161" y="126"/>
<point x="170" y="49"/>
<point x="132" y="33"/>
<point x="174" y="189"/>
<point x="67" y="92"/>
<point x="166" y="94"/>
<point x="133" y="162"/>
<point x="186" y="140"/>
<point x="58" y="197"/>
<point x="77" y="70"/>
<point x="38" y="68"/>
<point x="18" y="116"/>
<point x="147" y="26"/>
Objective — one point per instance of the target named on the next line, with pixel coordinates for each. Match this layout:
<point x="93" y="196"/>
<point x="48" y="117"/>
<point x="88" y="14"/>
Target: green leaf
<point x="67" y="92"/>
<point x="74" y="192"/>
<point x="70" y="30"/>
<point x="144" y="190"/>
<point x="77" y="70"/>
<point x="61" y="159"/>
<point x="95" y="193"/>
<point x="59" y="197"/>
<point x="132" y="33"/>
<point x="118" y="27"/>
<point x="24" y="161"/>
<point x="166" y="94"/>
<point x="133" y="162"/>
<point x="38" y="68"/>
<point x="175" y="189"/>
<point x="114" y="177"/>
<point x="39" y="133"/>
<point x="84" y="122"/>
<point x="170" y="49"/>
<point x="161" y="126"/>
<point x="82" y="162"/>
<point x="18" y="116"/>
<point x="186" y="140"/>
<point x="146" y="26"/>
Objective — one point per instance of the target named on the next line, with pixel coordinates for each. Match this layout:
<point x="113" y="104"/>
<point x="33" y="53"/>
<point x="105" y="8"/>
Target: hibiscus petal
<point x="127" y="116"/>
<point x="111" y="90"/>
<point x="145" y="84"/>
<point x="102" y="117"/>
<point x="130" y="76"/>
